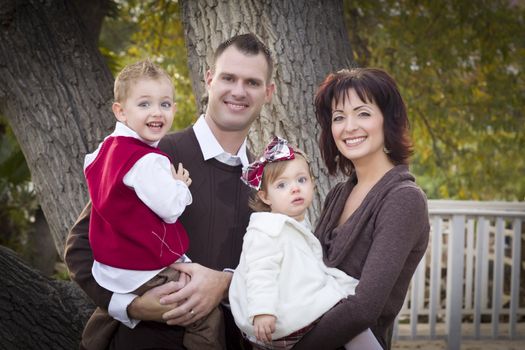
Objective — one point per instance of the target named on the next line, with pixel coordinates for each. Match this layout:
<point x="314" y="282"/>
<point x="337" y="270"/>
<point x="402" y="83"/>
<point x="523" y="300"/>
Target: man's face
<point x="237" y="90"/>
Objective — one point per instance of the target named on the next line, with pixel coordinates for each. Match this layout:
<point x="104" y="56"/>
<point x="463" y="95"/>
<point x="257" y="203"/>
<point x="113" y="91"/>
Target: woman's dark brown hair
<point x="372" y="85"/>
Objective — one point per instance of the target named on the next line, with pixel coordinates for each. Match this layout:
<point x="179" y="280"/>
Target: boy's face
<point x="149" y="108"/>
<point x="237" y="90"/>
<point x="291" y="193"/>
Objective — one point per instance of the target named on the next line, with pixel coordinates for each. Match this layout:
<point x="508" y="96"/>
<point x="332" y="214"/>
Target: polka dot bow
<point x="275" y="151"/>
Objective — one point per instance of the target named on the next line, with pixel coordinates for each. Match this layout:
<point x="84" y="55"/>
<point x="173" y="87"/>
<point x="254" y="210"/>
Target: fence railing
<point x="468" y="283"/>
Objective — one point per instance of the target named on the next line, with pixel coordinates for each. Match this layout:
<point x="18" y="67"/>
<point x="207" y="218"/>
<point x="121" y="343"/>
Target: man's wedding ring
<point x="192" y="313"/>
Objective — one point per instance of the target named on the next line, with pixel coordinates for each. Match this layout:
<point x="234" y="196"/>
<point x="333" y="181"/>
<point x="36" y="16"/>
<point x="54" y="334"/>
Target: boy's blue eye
<point x="144" y="104"/>
<point x="302" y="179"/>
<point x="166" y="104"/>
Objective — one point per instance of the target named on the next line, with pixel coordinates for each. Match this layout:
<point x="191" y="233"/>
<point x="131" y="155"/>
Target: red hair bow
<point x="275" y="151"/>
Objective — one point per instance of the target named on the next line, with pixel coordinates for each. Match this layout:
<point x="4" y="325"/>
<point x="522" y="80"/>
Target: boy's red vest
<point x="123" y="231"/>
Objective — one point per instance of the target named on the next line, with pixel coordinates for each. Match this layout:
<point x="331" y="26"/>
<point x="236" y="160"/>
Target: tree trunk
<point x="307" y="39"/>
<point x="38" y="313"/>
<point x="40" y="251"/>
<point x="55" y="90"/>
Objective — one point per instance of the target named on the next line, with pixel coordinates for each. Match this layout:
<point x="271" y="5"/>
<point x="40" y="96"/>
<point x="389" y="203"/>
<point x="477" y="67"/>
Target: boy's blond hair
<point x="133" y="72"/>
<point x="271" y="172"/>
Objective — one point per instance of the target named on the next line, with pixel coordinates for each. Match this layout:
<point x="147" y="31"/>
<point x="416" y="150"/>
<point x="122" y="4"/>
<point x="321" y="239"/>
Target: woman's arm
<point x="79" y="259"/>
<point x="400" y="229"/>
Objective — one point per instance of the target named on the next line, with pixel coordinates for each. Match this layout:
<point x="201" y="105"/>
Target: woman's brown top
<point x="380" y="244"/>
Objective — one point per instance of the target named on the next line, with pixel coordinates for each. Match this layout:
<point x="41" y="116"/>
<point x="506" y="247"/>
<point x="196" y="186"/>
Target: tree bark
<point x="37" y="312"/>
<point x="55" y="90"/>
<point x="307" y="39"/>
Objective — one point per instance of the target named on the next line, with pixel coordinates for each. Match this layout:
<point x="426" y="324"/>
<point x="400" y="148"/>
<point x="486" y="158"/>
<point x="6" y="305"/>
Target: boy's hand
<point x="181" y="174"/>
<point x="184" y="278"/>
<point x="148" y="308"/>
<point x="264" y="326"/>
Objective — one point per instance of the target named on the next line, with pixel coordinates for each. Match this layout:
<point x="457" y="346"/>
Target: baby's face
<point x="291" y="193"/>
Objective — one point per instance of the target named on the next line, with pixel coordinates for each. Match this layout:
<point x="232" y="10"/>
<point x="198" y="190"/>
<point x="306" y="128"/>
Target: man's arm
<point x="79" y="259"/>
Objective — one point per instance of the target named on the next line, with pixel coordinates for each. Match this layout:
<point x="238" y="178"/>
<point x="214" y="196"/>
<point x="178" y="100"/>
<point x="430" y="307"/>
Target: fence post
<point x="456" y="246"/>
<point x="497" y="281"/>
<point x="435" y="273"/>
<point x="515" y="277"/>
<point x="481" y="258"/>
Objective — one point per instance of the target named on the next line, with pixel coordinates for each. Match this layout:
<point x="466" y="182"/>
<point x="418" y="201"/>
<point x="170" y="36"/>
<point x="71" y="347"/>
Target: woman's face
<point x="357" y="129"/>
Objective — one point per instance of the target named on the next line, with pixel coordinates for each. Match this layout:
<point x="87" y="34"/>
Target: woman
<point x="374" y="226"/>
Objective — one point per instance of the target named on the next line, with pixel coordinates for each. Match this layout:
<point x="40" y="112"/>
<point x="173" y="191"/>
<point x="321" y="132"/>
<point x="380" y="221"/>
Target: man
<point x="214" y="151"/>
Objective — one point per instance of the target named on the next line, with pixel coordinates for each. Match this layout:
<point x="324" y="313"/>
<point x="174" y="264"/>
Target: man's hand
<point x="263" y="327"/>
<point x="148" y="307"/>
<point x="204" y="291"/>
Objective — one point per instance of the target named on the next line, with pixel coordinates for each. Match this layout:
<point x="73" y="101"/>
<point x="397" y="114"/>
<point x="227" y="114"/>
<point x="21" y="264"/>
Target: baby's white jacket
<point x="281" y="272"/>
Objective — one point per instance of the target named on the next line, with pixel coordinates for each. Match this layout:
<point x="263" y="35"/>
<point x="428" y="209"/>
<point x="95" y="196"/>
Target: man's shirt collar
<point x="211" y="148"/>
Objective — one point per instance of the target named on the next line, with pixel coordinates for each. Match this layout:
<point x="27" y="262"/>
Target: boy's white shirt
<point x="281" y="272"/>
<point x="151" y="179"/>
<point x="210" y="148"/>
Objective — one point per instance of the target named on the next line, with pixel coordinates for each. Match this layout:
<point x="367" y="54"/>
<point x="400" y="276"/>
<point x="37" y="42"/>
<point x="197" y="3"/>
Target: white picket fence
<point x="468" y="283"/>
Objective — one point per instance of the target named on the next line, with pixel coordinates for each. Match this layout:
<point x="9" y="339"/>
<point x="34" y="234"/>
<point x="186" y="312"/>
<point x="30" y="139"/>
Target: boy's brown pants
<point x="207" y="333"/>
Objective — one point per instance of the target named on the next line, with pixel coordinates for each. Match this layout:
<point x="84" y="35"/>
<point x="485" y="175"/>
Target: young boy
<point x="137" y="195"/>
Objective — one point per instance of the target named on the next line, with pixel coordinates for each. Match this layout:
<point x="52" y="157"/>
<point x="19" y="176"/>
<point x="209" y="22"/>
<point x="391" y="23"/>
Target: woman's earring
<point x="336" y="159"/>
<point x="386" y="150"/>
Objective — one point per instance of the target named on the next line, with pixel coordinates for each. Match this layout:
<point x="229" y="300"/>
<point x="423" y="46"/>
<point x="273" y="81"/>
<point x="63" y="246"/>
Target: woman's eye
<point x="337" y="118"/>
<point x="364" y="115"/>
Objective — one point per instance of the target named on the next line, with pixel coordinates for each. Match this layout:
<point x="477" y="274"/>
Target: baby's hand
<point x="263" y="327"/>
<point x="181" y="174"/>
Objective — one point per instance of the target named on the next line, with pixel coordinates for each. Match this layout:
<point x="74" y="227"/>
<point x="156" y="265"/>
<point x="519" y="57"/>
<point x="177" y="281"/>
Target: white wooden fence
<point x="468" y="284"/>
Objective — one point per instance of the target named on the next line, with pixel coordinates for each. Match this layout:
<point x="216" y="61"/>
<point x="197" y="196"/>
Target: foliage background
<point x="458" y="64"/>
